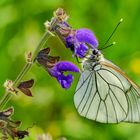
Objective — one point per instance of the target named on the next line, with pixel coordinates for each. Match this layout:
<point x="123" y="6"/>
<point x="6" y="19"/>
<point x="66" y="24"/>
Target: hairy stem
<point x="24" y="71"/>
<point x="59" y="17"/>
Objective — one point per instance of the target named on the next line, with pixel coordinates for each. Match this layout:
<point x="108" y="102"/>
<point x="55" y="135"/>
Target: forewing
<point x="106" y="95"/>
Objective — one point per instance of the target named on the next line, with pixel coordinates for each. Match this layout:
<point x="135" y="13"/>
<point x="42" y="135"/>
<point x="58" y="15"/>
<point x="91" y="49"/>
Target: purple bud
<point x="58" y="70"/>
<point x="78" y="39"/>
<point x="87" y="36"/>
<point x="81" y="50"/>
<point x="65" y="81"/>
<point x="66" y="66"/>
<point x="70" y="40"/>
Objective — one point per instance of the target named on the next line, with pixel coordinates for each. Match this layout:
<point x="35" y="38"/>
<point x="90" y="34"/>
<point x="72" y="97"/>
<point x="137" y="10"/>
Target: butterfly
<point x="105" y="94"/>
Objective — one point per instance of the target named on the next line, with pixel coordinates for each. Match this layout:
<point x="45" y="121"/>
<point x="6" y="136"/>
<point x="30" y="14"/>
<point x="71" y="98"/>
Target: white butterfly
<point x="105" y="94"/>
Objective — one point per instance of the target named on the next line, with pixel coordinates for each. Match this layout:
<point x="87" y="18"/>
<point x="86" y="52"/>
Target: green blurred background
<point x="52" y="108"/>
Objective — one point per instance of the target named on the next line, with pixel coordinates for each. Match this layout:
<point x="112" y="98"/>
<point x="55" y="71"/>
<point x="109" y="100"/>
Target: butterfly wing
<point x="107" y="95"/>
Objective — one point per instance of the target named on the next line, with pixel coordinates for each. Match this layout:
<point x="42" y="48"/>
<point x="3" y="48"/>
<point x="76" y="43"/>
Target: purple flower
<point x="77" y="41"/>
<point x="57" y="68"/>
<point x="81" y="50"/>
<point x="58" y="72"/>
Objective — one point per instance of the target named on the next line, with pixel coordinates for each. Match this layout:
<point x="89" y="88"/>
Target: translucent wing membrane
<point x="107" y="95"/>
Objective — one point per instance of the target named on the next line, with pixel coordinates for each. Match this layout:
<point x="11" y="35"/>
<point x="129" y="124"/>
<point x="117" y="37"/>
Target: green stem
<point x="23" y="72"/>
<point x="5" y="99"/>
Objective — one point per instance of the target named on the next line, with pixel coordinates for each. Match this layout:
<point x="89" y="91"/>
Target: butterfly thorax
<point x="92" y="59"/>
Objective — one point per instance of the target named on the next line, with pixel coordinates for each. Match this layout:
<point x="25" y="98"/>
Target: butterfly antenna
<point x="108" y="46"/>
<point x="104" y="46"/>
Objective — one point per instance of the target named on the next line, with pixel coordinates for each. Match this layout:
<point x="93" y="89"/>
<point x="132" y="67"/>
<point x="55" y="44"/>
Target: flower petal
<point x="81" y="50"/>
<point x="87" y="36"/>
<point x="66" y="66"/>
<point x="58" y="70"/>
<point x="70" y="41"/>
<point x="65" y="81"/>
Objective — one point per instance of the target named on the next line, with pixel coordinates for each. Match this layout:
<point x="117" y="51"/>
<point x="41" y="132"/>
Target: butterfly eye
<point x="95" y="52"/>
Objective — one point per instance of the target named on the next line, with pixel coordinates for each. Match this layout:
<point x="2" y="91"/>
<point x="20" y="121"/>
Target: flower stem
<point x="23" y="72"/>
<point x="59" y="17"/>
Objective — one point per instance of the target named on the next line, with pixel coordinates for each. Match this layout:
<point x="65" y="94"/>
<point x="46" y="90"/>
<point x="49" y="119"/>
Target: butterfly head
<point x="92" y="58"/>
<point x="94" y="55"/>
